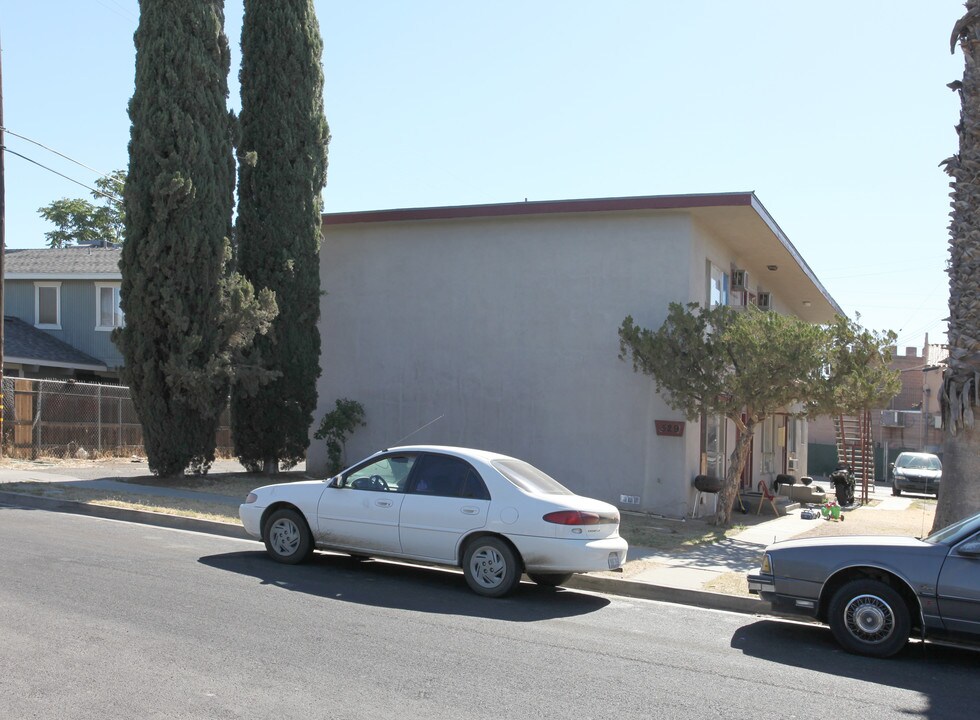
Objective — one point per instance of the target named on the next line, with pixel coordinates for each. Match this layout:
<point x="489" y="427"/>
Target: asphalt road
<point x="103" y="619"/>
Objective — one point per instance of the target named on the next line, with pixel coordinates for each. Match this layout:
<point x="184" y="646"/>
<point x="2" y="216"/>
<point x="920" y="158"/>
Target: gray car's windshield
<point x="956" y="531"/>
<point x="918" y="462"/>
<point x="529" y="478"/>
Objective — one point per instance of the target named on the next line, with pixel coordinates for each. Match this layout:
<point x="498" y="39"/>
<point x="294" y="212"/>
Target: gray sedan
<point x="875" y="591"/>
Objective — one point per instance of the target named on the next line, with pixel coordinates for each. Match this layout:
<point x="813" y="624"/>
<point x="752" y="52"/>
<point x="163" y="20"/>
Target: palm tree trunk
<point x="960" y="488"/>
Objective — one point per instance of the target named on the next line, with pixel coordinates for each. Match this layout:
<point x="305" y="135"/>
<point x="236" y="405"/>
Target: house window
<point x="47" y="305"/>
<point x="108" y="314"/>
<point x="717" y="286"/>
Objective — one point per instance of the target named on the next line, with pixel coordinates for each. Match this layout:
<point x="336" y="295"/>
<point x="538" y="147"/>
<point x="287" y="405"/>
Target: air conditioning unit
<point x="891" y="418"/>
<point x="740" y="280"/>
<point x="764" y="301"/>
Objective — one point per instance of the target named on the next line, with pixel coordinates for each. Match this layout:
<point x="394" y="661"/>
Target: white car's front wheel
<point x="491" y="567"/>
<point x="287" y="537"/>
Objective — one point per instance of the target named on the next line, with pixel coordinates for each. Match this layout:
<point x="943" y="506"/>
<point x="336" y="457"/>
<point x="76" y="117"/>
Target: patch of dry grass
<point x="199" y="509"/>
<point x="667" y="534"/>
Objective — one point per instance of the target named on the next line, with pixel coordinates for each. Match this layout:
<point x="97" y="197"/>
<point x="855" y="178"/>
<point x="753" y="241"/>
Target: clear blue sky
<point x="835" y="113"/>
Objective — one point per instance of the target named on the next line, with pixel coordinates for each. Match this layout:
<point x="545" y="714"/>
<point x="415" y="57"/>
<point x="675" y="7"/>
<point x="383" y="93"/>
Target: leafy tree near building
<point x="80" y="222"/>
<point x="282" y="171"/>
<point x="188" y="319"/>
<point x="748" y="365"/>
<point x="960" y="494"/>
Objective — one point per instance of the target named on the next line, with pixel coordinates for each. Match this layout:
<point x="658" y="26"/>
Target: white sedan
<point x="493" y="515"/>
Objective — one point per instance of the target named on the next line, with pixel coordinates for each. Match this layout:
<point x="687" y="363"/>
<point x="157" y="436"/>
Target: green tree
<point x="188" y="319"/>
<point x="80" y="222"/>
<point x="856" y="373"/>
<point x="748" y="365"/>
<point x="960" y="494"/>
<point x="283" y="153"/>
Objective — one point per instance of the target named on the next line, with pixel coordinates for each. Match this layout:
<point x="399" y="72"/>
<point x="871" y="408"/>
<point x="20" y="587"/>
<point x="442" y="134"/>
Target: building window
<point x="713" y="442"/>
<point x="47" y="305"/>
<point x="769" y="445"/>
<point x="717" y="286"/>
<point x="108" y="314"/>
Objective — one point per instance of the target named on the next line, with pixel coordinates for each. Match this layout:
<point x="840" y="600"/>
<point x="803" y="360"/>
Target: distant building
<point x="912" y="421"/>
<point x="60" y="308"/>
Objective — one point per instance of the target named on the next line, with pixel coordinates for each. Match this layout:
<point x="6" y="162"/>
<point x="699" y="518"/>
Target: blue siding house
<point x="60" y="308"/>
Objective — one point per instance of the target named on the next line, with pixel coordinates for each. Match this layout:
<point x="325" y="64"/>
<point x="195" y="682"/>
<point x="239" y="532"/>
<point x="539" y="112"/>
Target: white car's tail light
<point x="580" y="517"/>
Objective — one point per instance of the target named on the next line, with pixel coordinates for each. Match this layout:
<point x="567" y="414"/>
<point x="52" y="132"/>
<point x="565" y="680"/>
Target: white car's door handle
<point x="383" y="503"/>
<point x="470" y="511"/>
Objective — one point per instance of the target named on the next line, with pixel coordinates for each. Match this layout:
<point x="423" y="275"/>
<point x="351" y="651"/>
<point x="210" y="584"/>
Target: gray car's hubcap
<point x="488" y="567"/>
<point x="869" y="618"/>
<point x="284" y="536"/>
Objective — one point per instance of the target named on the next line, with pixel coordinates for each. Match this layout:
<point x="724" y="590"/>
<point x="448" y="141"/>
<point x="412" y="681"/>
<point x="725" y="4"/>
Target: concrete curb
<point x="592" y="583"/>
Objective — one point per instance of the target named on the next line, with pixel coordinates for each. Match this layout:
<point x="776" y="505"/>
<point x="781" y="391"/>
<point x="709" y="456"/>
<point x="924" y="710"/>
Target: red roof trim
<point x="546" y="207"/>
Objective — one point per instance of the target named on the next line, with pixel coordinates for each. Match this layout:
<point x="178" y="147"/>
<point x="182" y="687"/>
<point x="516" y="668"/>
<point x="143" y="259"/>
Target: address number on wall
<point x="671" y="428"/>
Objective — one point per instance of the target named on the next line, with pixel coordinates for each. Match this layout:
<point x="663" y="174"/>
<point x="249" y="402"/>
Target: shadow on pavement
<point x="406" y="587"/>
<point x="945" y="676"/>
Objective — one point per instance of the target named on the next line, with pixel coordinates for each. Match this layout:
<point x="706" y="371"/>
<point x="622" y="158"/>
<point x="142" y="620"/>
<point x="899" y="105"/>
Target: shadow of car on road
<point x="385" y="584"/>
<point x="943" y="675"/>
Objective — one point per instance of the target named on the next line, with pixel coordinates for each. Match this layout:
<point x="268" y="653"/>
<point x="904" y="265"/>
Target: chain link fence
<point x="64" y="418"/>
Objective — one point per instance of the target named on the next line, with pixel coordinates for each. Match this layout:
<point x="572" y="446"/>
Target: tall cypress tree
<point x="184" y="312"/>
<point x="282" y="171"/>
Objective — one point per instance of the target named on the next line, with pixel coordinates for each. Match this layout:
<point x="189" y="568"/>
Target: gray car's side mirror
<point x="970" y="548"/>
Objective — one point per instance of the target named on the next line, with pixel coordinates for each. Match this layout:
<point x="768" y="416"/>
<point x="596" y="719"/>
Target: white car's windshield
<point x="918" y="462"/>
<point x="529" y="478"/>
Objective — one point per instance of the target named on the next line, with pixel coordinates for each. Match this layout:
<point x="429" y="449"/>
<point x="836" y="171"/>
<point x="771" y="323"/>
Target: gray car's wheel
<point x="491" y="567"/>
<point x="287" y="537"/>
<point x="868" y="617"/>
<point x="550" y="579"/>
<point x="896" y="490"/>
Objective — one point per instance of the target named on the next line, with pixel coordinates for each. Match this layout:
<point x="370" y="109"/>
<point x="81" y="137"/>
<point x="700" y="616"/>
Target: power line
<point x="59" y="154"/>
<point x="106" y="195"/>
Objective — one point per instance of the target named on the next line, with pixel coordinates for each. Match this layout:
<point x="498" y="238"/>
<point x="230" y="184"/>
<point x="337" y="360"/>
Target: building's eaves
<point x="544" y="207"/>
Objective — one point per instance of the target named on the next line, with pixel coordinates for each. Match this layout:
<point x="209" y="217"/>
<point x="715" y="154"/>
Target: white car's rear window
<point x="529" y="479"/>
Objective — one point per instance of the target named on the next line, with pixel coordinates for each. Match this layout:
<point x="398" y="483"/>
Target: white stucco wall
<point x="507" y="328"/>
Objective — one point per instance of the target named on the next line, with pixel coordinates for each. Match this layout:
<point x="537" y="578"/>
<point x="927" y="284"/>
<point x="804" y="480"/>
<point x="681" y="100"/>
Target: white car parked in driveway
<point x="494" y="516"/>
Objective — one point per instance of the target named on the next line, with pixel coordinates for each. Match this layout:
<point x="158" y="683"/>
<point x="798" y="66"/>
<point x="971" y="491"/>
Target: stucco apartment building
<point x="495" y="326"/>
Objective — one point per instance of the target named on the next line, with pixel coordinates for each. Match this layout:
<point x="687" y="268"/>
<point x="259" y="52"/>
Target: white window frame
<point x="98" y="306"/>
<point x="722" y="286"/>
<point x="57" y="305"/>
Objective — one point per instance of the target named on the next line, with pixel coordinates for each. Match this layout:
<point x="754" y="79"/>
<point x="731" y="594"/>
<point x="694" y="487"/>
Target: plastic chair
<point x="766" y="495"/>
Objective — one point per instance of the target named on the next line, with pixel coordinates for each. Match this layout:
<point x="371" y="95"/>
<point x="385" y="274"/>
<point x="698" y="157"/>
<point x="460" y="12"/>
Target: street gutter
<point x="590" y="583"/>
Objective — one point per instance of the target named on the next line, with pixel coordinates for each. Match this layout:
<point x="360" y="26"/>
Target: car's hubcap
<point x="869" y="618"/>
<point x="284" y="537"/>
<point x="488" y="567"/>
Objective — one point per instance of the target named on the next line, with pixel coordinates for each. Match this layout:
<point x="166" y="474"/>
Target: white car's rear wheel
<point x="287" y="537"/>
<point x="491" y="567"/>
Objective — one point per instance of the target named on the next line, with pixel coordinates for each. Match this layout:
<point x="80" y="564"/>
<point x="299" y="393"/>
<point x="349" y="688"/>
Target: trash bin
<point x="843" y="480"/>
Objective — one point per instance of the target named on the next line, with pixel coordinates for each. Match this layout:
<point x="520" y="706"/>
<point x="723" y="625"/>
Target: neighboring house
<point x="912" y="420"/>
<point x="495" y="326"/>
<point x="60" y="308"/>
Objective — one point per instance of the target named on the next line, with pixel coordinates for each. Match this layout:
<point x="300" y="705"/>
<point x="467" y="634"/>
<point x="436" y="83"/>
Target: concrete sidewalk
<point x="675" y="577"/>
